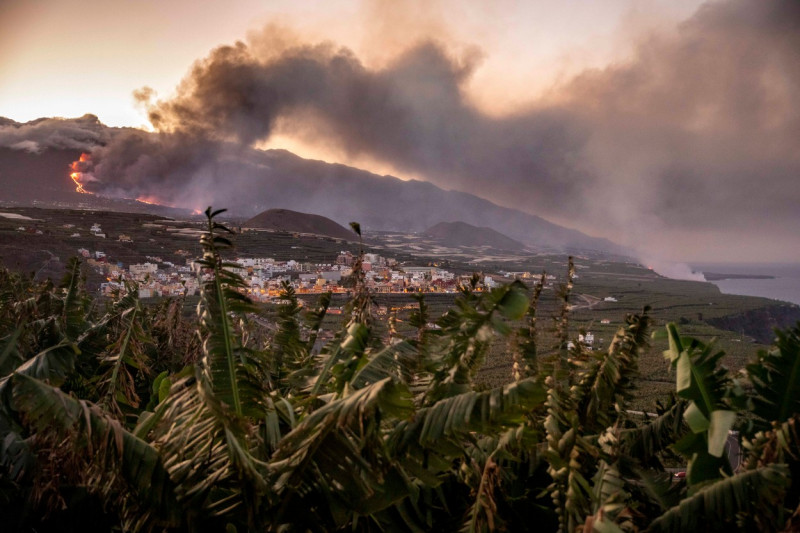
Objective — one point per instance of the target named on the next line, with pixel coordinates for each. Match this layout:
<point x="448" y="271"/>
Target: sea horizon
<point x="784" y="286"/>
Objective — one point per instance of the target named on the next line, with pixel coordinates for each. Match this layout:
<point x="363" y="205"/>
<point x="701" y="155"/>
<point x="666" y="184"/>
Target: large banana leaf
<point x="396" y="360"/>
<point x="603" y="390"/>
<point x="644" y="442"/>
<point x="126" y="354"/>
<point x="205" y="427"/>
<point x="775" y="376"/>
<point x="752" y="498"/>
<point x="10" y="354"/>
<point x="468" y="330"/>
<point x="287" y="350"/>
<point x="569" y="456"/>
<point x="73" y="312"/>
<point x="103" y="439"/>
<point x="53" y="365"/>
<point x="710" y="413"/>
<point x="484" y="412"/>
<point x="334" y="460"/>
<point x="207" y="454"/>
<point x="223" y="362"/>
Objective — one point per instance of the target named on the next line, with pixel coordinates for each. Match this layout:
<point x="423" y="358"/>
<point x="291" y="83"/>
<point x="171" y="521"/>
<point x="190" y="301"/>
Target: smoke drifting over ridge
<point x="694" y="138"/>
<point x="412" y="114"/>
<point x="84" y="133"/>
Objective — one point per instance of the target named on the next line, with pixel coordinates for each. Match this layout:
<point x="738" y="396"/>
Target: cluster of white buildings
<point x="153" y="279"/>
<point x="264" y="276"/>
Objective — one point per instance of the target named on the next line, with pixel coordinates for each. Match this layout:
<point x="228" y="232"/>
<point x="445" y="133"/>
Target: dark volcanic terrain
<point x="252" y="181"/>
<point x="296" y="222"/>
<point x="463" y="234"/>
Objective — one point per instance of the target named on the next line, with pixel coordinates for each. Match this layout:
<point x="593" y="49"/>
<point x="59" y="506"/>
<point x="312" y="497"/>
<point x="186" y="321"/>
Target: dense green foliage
<point x="133" y="417"/>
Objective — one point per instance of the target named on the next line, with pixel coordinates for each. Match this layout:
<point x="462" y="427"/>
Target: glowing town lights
<point x="78" y="167"/>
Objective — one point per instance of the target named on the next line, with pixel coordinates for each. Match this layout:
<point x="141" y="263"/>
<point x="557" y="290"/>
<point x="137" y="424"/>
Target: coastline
<point x="776" y="281"/>
<point x="715" y="276"/>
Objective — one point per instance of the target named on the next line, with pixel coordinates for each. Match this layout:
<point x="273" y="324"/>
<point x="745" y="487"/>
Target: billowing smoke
<point x="413" y="114"/>
<point x="84" y="133"/>
<point x="673" y="270"/>
<point x="696" y="133"/>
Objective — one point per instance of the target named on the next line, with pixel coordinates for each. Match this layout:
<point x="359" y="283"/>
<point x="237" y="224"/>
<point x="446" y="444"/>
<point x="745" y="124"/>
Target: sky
<point x="670" y="126"/>
<point x="71" y="57"/>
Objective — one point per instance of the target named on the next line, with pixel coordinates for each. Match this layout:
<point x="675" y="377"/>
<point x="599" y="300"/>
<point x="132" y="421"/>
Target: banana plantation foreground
<point x="121" y="416"/>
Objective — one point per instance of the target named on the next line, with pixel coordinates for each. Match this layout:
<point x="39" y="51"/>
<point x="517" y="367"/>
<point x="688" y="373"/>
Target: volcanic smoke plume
<point x="83" y="133"/>
<point x="697" y="133"/>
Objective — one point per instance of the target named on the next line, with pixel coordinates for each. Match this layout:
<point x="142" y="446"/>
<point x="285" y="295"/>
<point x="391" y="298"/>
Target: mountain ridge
<point x="295" y="221"/>
<point x="462" y="234"/>
<point x="249" y="181"/>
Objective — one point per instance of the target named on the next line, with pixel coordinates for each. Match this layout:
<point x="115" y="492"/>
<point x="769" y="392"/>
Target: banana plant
<point x="125" y="357"/>
<point x="775" y="376"/>
<point x="206" y="429"/>
<point x="713" y="399"/>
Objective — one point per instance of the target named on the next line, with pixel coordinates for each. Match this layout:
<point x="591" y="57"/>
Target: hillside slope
<point x="294" y="221"/>
<point x="249" y="181"/>
<point x="463" y="234"/>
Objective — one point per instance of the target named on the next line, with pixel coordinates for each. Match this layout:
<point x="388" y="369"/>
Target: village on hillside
<point x="265" y="276"/>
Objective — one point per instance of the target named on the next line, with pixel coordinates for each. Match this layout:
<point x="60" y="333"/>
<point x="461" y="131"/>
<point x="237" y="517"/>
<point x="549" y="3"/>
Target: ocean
<point x="785" y="286"/>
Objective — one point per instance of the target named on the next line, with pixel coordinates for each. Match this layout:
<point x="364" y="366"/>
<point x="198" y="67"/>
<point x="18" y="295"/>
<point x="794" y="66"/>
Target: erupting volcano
<point x="78" y="167"/>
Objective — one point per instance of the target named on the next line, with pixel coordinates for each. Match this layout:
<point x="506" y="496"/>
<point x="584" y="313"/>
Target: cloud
<point x="672" y="270"/>
<point x="84" y="133"/>
<point x="695" y="134"/>
<point x="700" y="126"/>
<point x="412" y="113"/>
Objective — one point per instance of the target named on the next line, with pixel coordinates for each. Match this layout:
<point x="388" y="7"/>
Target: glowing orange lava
<point x="77" y="168"/>
<point x="76" y="176"/>
<point x="154" y="200"/>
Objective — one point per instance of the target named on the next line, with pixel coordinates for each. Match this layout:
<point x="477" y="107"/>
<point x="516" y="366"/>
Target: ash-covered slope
<point x="344" y="193"/>
<point x="35" y="157"/>
<point x="463" y="234"/>
<point x="294" y="221"/>
<point x="26" y="176"/>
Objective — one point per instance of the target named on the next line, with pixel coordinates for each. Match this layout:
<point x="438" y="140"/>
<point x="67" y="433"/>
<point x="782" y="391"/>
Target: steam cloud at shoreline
<point x="673" y="270"/>
<point x="697" y="131"/>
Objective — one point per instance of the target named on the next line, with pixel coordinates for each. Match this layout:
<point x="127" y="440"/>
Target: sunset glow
<point x="577" y="113"/>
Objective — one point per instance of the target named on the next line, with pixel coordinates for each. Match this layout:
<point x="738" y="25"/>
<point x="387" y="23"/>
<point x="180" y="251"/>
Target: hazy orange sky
<point x="71" y="57"/>
<point x="666" y="125"/>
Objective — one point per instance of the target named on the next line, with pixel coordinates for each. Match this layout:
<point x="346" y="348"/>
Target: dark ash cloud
<point x="697" y="131"/>
<point x="413" y="114"/>
<point x="84" y="133"/>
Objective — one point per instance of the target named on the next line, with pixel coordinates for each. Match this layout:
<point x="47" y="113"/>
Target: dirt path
<point x="586" y="301"/>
